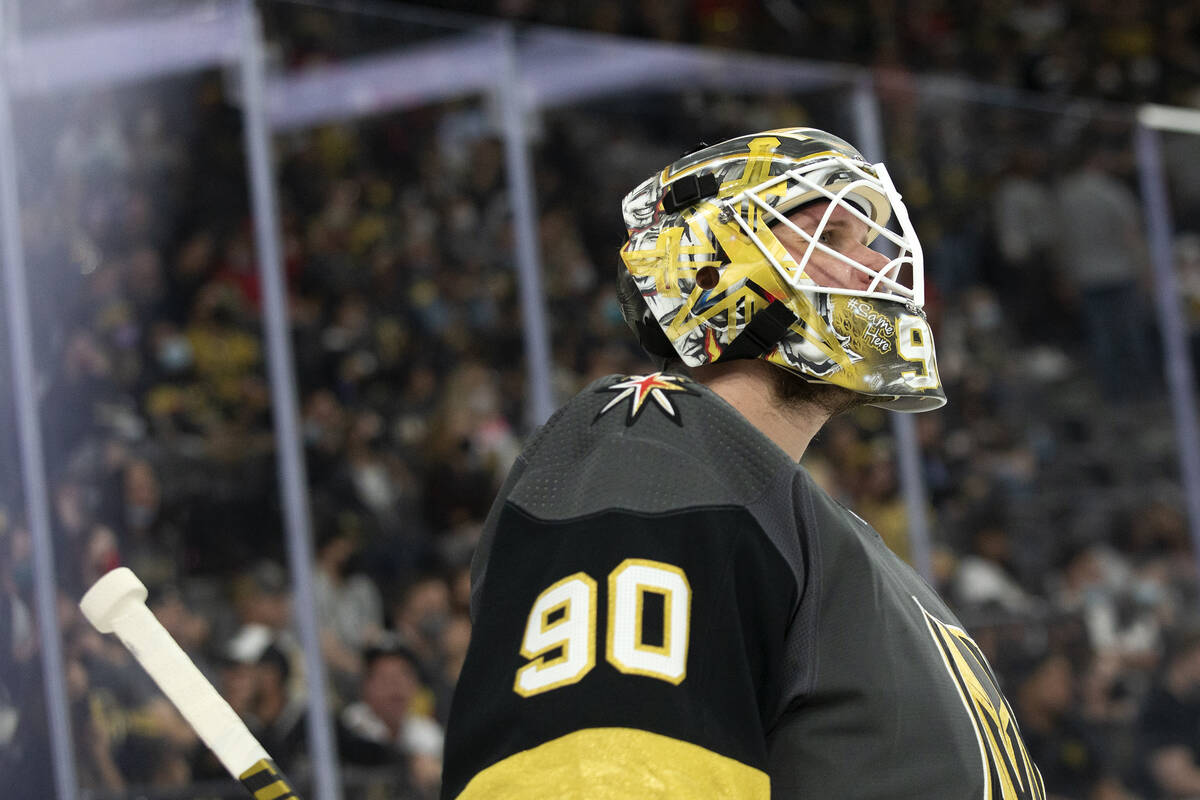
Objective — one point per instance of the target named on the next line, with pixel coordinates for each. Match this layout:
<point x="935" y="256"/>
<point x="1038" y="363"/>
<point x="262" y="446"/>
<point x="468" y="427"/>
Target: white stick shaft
<point x="206" y="711"/>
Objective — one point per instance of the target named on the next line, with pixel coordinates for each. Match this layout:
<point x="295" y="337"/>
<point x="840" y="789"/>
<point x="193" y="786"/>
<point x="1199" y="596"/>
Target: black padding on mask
<point x="688" y="190"/>
<point x="654" y="341"/>
<point x="761" y="334"/>
<point x="637" y="315"/>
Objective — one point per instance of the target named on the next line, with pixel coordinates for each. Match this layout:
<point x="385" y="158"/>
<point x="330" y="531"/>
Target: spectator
<point x="1065" y="748"/>
<point x="24" y="742"/>
<point x="94" y="741"/>
<point x="471" y="446"/>
<point x="1023" y="212"/>
<point x="1168" y="743"/>
<point x="454" y="642"/>
<point x="279" y="711"/>
<point x="324" y="428"/>
<point x="152" y="546"/>
<point x="255" y="679"/>
<point x="262" y="605"/>
<point x="1187" y="266"/>
<point x="422" y="613"/>
<point x="349" y="605"/>
<point x="984" y="580"/>
<point x="386" y="714"/>
<point x="1122" y="608"/>
<point x="1104" y="259"/>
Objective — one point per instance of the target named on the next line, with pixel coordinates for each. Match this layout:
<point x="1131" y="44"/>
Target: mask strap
<point x="761" y="334"/>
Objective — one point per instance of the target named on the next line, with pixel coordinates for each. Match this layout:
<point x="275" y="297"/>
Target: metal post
<point x="1177" y="361"/>
<point x="293" y="482"/>
<point x="869" y="131"/>
<point x="33" y="465"/>
<point x="540" y="401"/>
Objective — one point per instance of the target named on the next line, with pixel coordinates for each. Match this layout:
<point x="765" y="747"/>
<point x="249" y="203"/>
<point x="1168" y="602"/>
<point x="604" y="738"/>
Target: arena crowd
<point x="1055" y="505"/>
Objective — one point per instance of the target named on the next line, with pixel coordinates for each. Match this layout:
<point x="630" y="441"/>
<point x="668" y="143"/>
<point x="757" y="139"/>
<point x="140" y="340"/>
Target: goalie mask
<point x="741" y="250"/>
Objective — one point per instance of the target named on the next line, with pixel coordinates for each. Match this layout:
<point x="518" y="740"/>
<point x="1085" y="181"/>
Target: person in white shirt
<point x="386" y="716"/>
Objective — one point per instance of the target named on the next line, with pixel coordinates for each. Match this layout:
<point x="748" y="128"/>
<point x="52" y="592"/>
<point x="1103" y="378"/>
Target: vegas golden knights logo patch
<point x="639" y="389"/>
<point x="1008" y="771"/>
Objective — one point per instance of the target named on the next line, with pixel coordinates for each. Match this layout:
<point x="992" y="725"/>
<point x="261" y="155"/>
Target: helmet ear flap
<point x="637" y="315"/>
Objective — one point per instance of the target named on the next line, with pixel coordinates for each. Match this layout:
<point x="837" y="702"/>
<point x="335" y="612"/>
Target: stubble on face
<point x="796" y="394"/>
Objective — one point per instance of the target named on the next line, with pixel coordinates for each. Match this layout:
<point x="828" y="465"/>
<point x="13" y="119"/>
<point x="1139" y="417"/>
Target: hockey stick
<point x="117" y="604"/>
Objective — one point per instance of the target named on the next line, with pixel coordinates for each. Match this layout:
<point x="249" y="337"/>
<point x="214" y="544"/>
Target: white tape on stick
<point x="117" y="604"/>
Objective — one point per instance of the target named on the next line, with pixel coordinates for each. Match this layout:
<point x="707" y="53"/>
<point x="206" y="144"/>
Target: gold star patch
<point x="640" y="388"/>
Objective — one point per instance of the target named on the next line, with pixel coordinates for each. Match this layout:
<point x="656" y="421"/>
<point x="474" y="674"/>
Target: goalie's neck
<point x="749" y="387"/>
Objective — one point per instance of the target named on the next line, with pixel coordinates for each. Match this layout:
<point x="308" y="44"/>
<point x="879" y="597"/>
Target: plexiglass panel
<point x="154" y="403"/>
<point x="25" y="742"/>
<point x="398" y="228"/>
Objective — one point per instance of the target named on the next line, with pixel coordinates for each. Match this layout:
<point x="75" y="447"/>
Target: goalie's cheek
<point x="825" y="270"/>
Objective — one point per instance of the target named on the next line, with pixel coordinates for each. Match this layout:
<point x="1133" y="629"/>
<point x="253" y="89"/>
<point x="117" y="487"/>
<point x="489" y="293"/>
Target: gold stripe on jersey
<point x="1009" y="772"/>
<point x="618" y="763"/>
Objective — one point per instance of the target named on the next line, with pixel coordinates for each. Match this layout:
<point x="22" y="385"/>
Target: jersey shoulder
<point x="647" y="443"/>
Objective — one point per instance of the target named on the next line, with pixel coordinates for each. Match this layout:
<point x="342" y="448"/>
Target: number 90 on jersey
<point x="648" y="627"/>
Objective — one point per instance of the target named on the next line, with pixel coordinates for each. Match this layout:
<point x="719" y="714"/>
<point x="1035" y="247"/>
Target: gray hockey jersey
<point x="666" y="606"/>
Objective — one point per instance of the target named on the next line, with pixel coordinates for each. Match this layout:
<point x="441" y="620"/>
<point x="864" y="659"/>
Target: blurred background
<point x="286" y="285"/>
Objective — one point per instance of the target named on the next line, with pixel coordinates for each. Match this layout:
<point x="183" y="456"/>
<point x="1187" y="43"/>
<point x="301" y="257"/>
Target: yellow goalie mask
<point x="757" y="247"/>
